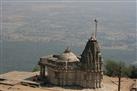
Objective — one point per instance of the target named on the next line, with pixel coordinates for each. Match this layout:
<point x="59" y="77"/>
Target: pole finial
<point x="95" y="20"/>
<point x="95" y="27"/>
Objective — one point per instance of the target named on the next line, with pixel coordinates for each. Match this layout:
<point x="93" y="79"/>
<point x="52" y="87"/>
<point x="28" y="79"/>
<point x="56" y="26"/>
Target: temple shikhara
<point x="69" y="69"/>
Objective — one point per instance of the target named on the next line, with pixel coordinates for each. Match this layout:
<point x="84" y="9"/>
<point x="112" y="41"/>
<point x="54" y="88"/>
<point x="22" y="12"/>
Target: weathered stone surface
<point x="69" y="69"/>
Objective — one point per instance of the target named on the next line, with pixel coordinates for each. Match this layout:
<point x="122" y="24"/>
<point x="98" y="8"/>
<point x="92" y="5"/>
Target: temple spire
<point x="95" y="27"/>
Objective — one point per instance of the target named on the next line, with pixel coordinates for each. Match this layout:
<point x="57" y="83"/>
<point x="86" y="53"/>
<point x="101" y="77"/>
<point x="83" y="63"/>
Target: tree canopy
<point x="112" y="69"/>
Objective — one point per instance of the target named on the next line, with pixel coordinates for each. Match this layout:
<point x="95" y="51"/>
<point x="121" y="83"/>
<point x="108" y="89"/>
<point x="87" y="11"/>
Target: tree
<point x="112" y="68"/>
<point x="133" y="71"/>
<point x="36" y="68"/>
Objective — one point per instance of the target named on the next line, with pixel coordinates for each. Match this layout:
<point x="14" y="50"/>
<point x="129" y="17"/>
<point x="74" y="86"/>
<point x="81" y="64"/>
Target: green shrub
<point x="112" y="68"/>
<point x="36" y="68"/>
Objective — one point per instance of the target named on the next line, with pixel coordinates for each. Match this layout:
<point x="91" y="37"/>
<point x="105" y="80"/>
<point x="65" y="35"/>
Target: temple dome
<point x="68" y="56"/>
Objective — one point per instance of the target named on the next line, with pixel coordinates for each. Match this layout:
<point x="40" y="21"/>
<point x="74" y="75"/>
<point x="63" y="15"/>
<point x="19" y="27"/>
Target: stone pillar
<point x="43" y="71"/>
<point x="40" y="70"/>
<point x="66" y="78"/>
<point x="99" y="83"/>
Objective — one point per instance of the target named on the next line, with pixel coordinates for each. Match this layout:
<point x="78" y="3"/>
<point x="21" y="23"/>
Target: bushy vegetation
<point x="36" y="68"/>
<point x="133" y="71"/>
<point x="112" y="69"/>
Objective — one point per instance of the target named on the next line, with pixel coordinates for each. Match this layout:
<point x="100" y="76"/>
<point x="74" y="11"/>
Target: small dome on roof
<point x="68" y="56"/>
<point x="67" y="50"/>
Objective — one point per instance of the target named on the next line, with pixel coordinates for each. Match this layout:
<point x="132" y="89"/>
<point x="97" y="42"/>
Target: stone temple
<point x="68" y="69"/>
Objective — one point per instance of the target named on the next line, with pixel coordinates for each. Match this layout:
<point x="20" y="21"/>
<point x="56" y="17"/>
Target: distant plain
<point x="34" y="29"/>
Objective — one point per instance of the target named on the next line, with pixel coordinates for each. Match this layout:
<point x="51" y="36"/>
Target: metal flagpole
<point x="95" y="27"/>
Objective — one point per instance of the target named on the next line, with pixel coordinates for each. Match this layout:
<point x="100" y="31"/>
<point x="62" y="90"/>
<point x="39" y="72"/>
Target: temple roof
<point x="67" y="55"/>
<point x="90" y="52"/>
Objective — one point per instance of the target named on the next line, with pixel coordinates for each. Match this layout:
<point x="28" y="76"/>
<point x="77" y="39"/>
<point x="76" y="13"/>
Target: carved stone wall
<point x="76" y="77"/>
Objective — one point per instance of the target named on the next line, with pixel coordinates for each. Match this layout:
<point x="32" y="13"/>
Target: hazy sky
<point x="68" y="17"/>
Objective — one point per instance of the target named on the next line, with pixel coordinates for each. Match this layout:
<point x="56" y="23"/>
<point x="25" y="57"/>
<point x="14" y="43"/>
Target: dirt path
<point x="109" y="84"/>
